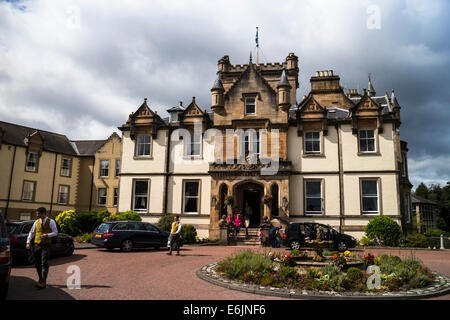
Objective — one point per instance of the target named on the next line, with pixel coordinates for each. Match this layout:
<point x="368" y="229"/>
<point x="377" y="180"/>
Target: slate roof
<point x="382" y="101"/>
<point x="337" y="113"/>
<point x="15" y="134"/>
<point x="88" y="147"/>
<point x="417" y="199"/>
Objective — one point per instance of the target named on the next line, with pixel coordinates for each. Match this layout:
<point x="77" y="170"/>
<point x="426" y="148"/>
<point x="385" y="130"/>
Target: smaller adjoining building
<point x="45" y="169"/>
<point x="425" y="213"/>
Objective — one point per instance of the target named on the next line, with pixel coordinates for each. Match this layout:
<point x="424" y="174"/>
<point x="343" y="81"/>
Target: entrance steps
<point x="251" y="240"/>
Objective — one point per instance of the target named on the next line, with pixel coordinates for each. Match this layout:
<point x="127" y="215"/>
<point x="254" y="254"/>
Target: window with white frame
<point x="63" y="194"/>
<point x="66" y="165"/>
<point x="193" y="145"/>
<point x="369" y="196"/>
<point x="117" y="167"/>
<point x="366" y="140"/>
<point x="313" y="197"/>
<point x="143" y="146"/>
<point x="408" y="207"/>
<point x="29" y="188"/>
<point x="140" y="196"/>
<point x="252" y="142"/>
<point x="191" y="197"/>
<point x="250" y="105"/>
<point x="116" y="197"/>
<point x="403" y="165"/>
<point x="101" y="200"/>
<point x="173" y="117"/>
<point x="104" y="168"/>
<point x="32" y="162"/>
<point x="312" y="142"/>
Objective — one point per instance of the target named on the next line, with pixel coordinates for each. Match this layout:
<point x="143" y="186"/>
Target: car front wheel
<point x="69" y="249"/>
<point x="126" y="246"/>
<point x="295" y="245"/>
<point x="342" y="246"/>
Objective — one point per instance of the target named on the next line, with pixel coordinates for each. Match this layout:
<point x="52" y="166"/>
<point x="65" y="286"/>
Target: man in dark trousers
<point x="175" y="236"/>
<point x="43" y="230"/>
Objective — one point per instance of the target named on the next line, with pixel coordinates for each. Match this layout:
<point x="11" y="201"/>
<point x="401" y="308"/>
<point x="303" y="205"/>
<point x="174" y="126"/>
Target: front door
<point x="254" y="200"/>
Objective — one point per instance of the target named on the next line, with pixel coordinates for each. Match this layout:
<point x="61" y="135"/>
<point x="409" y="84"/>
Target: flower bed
<point x="280" y="270"/>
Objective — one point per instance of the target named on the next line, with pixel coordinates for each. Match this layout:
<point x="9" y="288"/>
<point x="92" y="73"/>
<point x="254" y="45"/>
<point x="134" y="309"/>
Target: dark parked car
<point x="62" y="244"/>
<point x="293" y="238"/>
<point x="5" y="259"/>
<point x="127" y="235"/>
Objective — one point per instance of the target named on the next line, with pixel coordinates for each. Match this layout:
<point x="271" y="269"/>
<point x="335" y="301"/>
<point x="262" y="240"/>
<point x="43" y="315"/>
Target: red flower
<point x="335" y="256"/>
<point x="288" y="256"/>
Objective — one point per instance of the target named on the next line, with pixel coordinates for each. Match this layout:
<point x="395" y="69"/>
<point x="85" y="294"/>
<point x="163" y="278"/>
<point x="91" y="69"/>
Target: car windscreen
<point x="104" y="227"/>
<point x="12" y="228"/>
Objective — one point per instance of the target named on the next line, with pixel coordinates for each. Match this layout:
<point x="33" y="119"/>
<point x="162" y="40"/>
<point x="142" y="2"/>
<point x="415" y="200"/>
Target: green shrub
<point x="67" y="222"/>
<point x="340" y="283"/>
<point x="412" y="263"/>
<point x="387" y="263"/>
<point x="313" y="273"/>
<point x="384" y="231"/>
<point x="267" y="279"/>
<point x="366" y="241"/>
<point x="435" y="233"/>
<point x="330" y="270"/>
<point x="84" y="238"/>
<point x="165" y="222"/>
<point x="188" y="233"/>
<point x="245" y="261"/>
<point x="419" y="280"/>
<point x="287" y="273"/>
<point x="86" y="222"/>
<point x="295" y="253"/>
<point x="130" y="215"/>
<point x="404" y="273"/>
<point x="354" y="274"/>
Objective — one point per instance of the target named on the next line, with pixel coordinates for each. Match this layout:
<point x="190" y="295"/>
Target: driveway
<point x="154" y="275"/>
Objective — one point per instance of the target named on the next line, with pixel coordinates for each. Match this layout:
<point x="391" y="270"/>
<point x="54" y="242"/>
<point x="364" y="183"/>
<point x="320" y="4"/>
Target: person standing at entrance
<point x="42" y="230"/>
<point x="175" y="236"/>
<point x="237" y="223"/>
<point x="247" y="214"/>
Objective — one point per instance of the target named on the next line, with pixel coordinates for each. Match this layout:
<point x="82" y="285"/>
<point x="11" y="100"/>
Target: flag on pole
<point x="256" y="39"/>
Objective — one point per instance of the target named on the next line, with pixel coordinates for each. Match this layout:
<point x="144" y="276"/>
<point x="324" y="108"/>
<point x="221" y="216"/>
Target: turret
<point x="292" y="62"/>
<point x="224" y="64"/>
<point x="283" y="89"/>
<point x="372" y="92"/>
<point x="217" y="96"/>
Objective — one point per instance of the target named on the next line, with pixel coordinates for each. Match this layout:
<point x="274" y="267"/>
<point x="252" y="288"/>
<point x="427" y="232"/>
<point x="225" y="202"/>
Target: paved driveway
<point x="150" y="274"/>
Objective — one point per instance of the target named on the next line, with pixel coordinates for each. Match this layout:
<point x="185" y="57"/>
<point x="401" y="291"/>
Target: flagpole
<point x="257" y="47"/>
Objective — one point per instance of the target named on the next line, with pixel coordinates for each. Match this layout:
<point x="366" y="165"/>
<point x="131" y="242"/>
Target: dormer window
<point x="173" y="117"/>
<point x="143" y="145"/>
<point x="366" y="140"/>
<point x="32" y="162"/>
<point x="250" y="106"/>
<point x="312" y="142"/>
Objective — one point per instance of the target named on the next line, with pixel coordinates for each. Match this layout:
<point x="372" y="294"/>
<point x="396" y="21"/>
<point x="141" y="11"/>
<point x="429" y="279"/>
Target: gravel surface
<point x="154" y="275"/>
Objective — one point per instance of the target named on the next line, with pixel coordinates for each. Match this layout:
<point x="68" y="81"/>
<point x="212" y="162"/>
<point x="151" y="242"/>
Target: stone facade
<point x="338" y="154"/>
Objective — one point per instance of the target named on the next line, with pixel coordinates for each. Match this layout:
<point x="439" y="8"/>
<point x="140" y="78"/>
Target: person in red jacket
<point x="237" y="223"/>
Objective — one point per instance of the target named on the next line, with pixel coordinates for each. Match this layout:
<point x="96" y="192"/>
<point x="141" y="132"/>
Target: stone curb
<point x="83" y="246"/>
<point x="399" y="248"/>
<point x="440" y="286"/>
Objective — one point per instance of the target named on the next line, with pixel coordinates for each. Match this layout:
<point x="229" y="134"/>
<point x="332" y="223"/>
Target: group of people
<point x="237" y="221"/>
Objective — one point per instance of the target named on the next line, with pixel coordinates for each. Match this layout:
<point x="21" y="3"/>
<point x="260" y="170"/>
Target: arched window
<point x="274" y="193"/>
<point x="223" y="194"/>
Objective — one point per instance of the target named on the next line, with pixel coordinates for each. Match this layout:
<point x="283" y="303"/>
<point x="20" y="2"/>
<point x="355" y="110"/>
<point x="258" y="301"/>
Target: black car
<point x="62" y="244"/>
<point x="293" y="238"/>
<point x="5" y="259"/>
<point x="127" y="235"/>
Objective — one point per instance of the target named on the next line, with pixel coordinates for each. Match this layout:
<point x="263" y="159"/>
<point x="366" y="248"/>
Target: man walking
<point x="43" y="230"/>
<point x="175" y="236"/>
<point x="247" y="214"/>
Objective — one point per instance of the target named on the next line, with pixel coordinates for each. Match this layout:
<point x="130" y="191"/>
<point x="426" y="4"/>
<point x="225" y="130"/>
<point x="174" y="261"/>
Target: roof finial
<point x="371" y="90"/>
<point x="250" y="57"/>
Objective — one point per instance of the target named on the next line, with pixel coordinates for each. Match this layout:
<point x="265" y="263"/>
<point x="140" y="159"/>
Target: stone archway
<point x="250" y="192"/>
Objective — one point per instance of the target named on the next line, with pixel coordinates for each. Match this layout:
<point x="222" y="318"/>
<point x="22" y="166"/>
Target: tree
<point x="422" y="191"/>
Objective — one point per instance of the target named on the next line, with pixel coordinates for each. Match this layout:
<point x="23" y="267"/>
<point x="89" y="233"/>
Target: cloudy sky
<point x="81" y="67"/>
